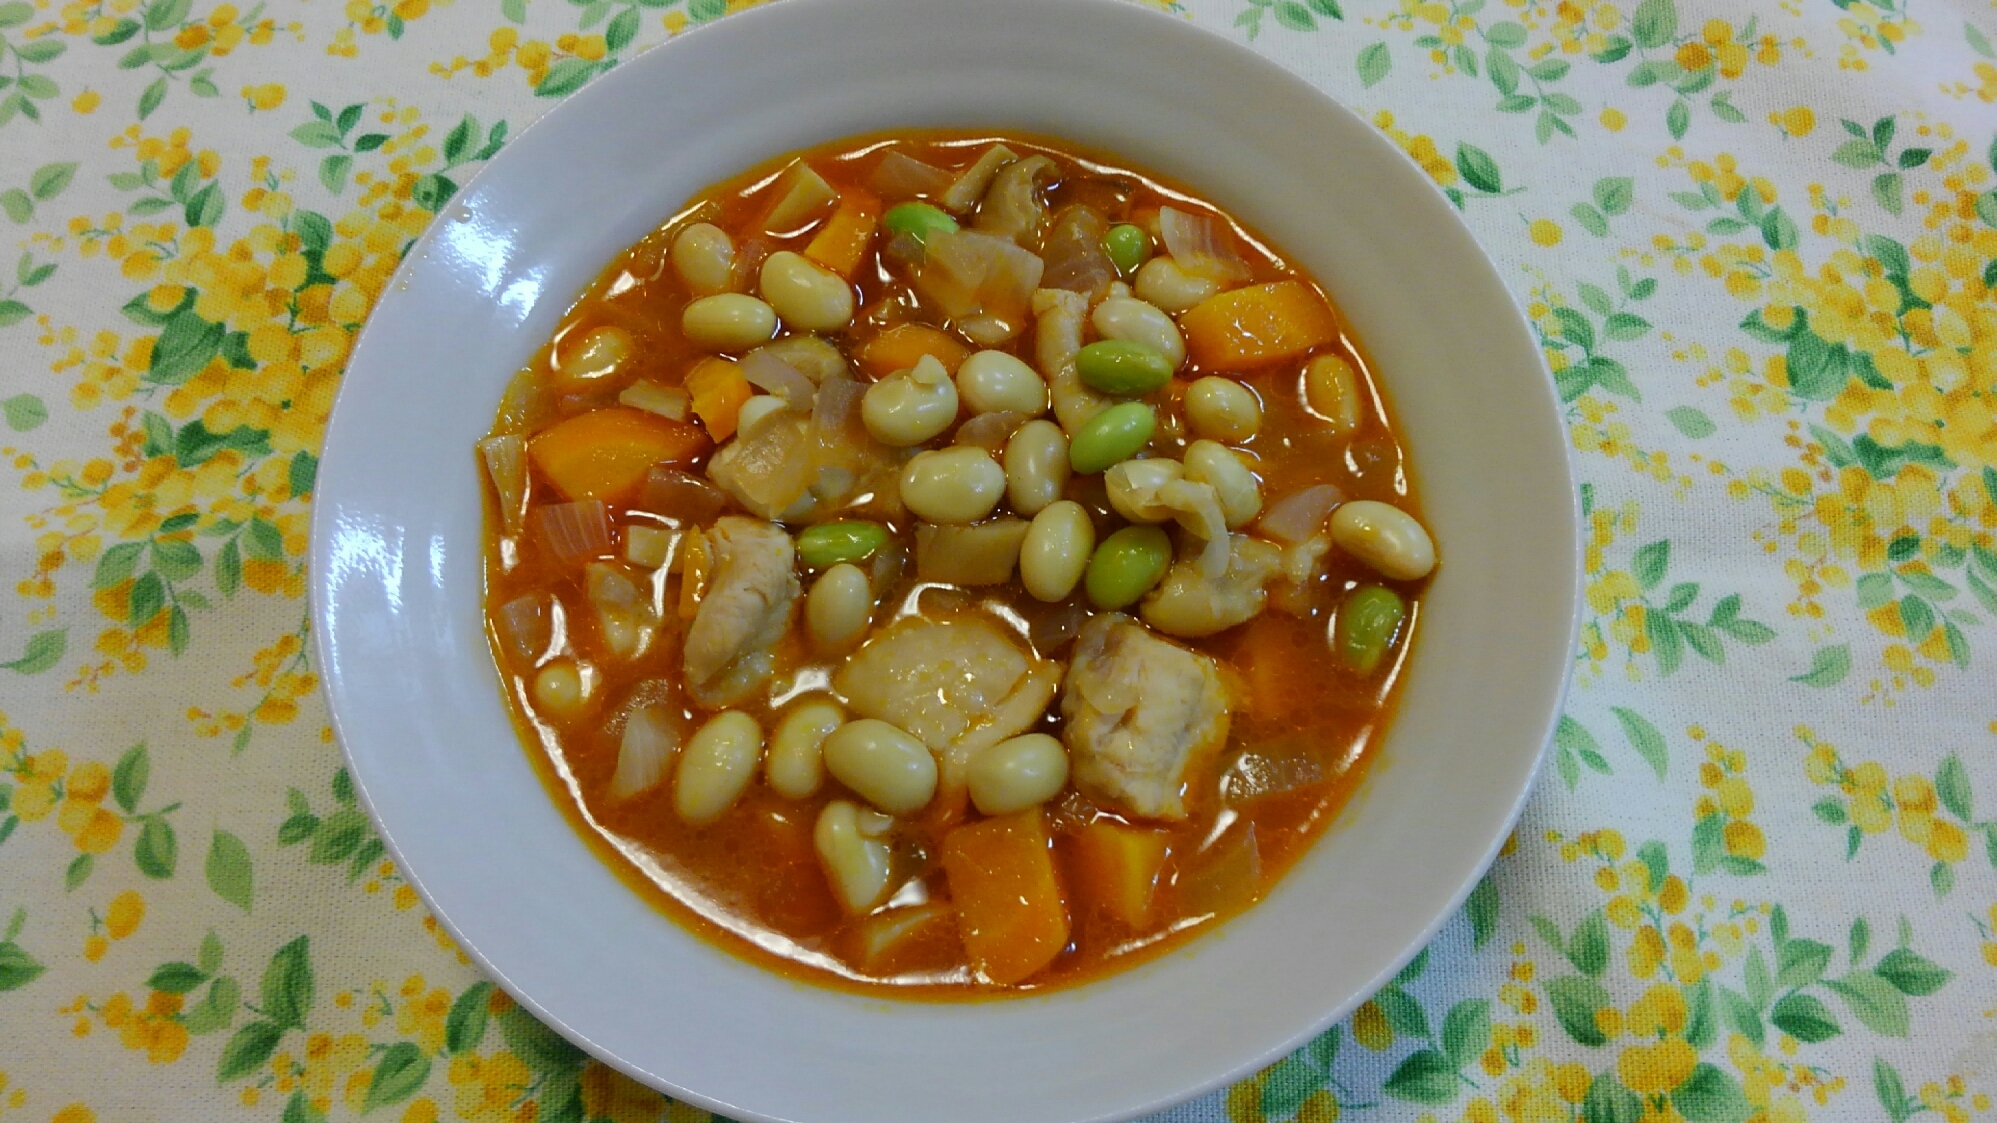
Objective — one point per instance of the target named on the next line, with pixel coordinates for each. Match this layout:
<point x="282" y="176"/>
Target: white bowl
<point x="396" y="580"/>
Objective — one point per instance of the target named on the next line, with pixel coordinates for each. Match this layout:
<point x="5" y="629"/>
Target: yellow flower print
<point x="609" y="1094"/>
<point x="1933" y="814"/>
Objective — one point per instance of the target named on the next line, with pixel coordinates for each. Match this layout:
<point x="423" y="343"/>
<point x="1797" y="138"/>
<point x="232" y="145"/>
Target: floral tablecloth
<point x="1759" y="244"/>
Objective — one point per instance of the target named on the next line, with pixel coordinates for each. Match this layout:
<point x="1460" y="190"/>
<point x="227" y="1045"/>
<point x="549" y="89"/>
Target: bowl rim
<point x="599" y="93"/>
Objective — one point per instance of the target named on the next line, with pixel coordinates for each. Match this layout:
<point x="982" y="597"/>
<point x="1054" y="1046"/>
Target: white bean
<point x="729" y="321"/>
<point x="1210" y="462"/>
<point x="596" y="355"/>
<point x="957" y="485"/>
<point x="1123" y="317"/>
<point x="1222" y="409"/>
<point x="838" y="607"/>
<point x="993" y="382"/>
<point x="1163" y="283"/>
<point x="912" y="406"/>
<point x="1056" y="551"/>
<point x="796" y="765"/>
<point x="852" y="843"/>
<point x="806" y="295"/>
<point x="563" y="688"/>
<point x="1036" y="466"/>
<point x="704" y="258"/>
<point x="717" y="765"/>
<point x="887" y="767"/>
<point x="1017" y="773"/>
<point x="1384" y="537"/>
<point x="757" y="408"/>
<point x="1331" y="389"/>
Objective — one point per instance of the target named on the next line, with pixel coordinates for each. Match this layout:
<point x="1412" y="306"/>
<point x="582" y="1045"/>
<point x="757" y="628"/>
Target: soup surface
<point x="950" y="565"/>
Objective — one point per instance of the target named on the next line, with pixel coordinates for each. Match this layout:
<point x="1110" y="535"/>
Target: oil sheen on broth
<point x="950" y="565"/>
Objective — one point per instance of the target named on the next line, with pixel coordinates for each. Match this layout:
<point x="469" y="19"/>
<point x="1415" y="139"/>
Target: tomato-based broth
<point x="950" y="565"/>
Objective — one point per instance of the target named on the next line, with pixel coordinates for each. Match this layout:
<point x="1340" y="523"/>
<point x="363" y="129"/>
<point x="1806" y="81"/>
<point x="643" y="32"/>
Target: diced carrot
<point x="1118" y="867"/>
<point x="605" y="454"/>
<point x="718" y="390"/>
<point x="1009" y="904"/>
<point x="1259" y="324"/>
<point x="900" y="346"/>
<point x="842" y="241"/>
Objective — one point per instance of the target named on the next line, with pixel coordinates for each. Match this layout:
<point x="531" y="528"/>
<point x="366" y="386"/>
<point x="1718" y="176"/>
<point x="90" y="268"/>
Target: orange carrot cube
<point x="899" y="347"/>
<point x="843" y="240"/>
<point x="605" y="454"/>
<point x="1260" y="324"/>
<point x="719" y="391"/>
<point x="1118" y="867"/>
<point x="1009" y="906"/>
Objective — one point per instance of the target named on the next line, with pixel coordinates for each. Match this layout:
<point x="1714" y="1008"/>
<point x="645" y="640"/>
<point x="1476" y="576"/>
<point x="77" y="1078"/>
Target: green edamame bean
<point x="917" y="220"/>
<point x="848" y="540"/>
<point x="1127" y="247"/>
<point x="1111" y="436"/>
<point x="1126" y="565"/>
<point x="1122" y="366"/>
<point x="1368" y="622"/>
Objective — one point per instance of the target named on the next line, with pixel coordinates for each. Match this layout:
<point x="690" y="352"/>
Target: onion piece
<point x="970" y="185"/>
<point x="977" y="277"/>
<point x="1300" y="515"/>
<point x="651" y="737"/>
<point x="899" y="177"/>
<point x="666" y="401"/>
<point x="679" y="496"/>
<point x="523" y="627"/>
<point x="1012" y="207"/>
<point x="1226" y="879"/>
<point x="1273" y="767"/>
<point x="1074" y="253"/>
<point x="505" y="460"/>
<point x="574" y="531"/>
<point x="990" y="431"/>
<point x="805" y="195"/>
<point x="772" y="373"/>
<point x="1201" y="246"/>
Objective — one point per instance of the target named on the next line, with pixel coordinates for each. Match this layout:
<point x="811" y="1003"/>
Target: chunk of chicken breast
<point x="1141" y="715"/>
<point x="747" y="609"/>
<point x="959" y="684"/>
<point x="1189" y="603"/>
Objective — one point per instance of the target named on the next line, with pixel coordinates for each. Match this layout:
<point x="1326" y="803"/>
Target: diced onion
<point x="967" y="275"/>
<point x="1273" y="767"/>
<point x="679" y="496"/>
<point x="1074" y="253"/>
<point x="780" y="378"/>
<point x="1200" y="245"/>
<point x="1300" y="515"/>
<point x="523" y="627"/>
<point x="990" y="431"/>
<point x="506" y="465"/>
<point x="574" y="531"/>
<point x="899" y="177"/>
<point x="806" y="194"/>
<point x="666" y="401"/>
<point x="650" y="739"/>
<point x="1226" y="879"/>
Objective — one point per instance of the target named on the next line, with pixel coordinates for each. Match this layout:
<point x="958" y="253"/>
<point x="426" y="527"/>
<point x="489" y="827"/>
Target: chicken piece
<point x="1057" y="338"/>
<point x="750" y="594"/>
<point x="1188" y="603"/>
<point x="1141" y="715"/>
<point x="959" y="684"/>
<point x="1154" y="490"/>
<point x="1012" y="208"/>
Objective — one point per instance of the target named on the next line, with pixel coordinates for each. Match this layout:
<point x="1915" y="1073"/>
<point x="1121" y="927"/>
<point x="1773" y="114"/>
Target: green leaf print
<point x="1482" y="909"/>
<point x="287" y="984"/>
<point x="157" y="851"/>
<point x="1644" y="738"/>
<point x="1375" y="62"/>
<point x="1466" y="1031"/>
<point x="24" y="412"/>
<point x="1588" y="947"/>
<point x="1654" y="23"/>
<point x="1873" y="1001"/>
<point x="1425" y="1077"/>
<point x="1828" y="667"/>
<point x="44" y="650"/>
<point x="176" y="978"/>
<point x="401" y="1071"/>
<point x="1910" y="973"/>
<point x="17" y="967"/>
<point x="228" y="869"/>
<point x="1575" y="999"/>
<point x="1709" y="1095"/>
<point x="1608" y="1101"/>
<point x="1691" y="422"/>
<point x="1804" y="1018"/>
<point x="1478" y="169"/>
<point x="247" y="1051"/>
<point x="464" y="1027"/>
